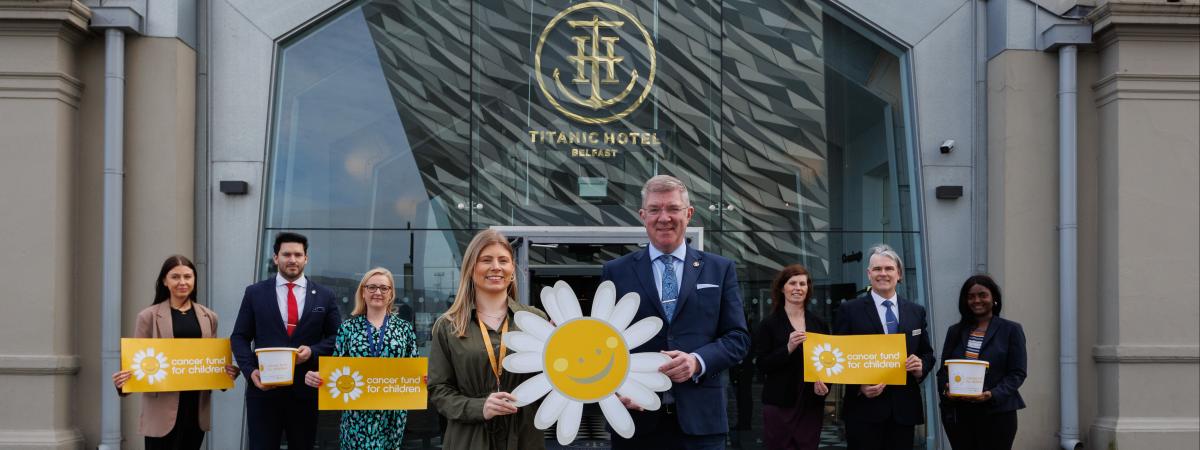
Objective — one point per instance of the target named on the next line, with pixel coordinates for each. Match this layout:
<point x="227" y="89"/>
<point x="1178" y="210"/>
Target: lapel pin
<point x="695" y="263"/>
<point x="314" y="292"/>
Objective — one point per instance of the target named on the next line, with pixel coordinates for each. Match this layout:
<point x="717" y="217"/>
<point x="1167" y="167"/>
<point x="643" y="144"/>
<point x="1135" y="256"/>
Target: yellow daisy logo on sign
<point x="346" y="383"/>
<point x="585" y="359"/>
<point x="150" y="366"/>
<point x="828" y="359"/>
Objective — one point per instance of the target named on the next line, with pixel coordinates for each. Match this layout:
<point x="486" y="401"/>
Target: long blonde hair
<point x="464" y="301"/>
<point x="360" y="301"/>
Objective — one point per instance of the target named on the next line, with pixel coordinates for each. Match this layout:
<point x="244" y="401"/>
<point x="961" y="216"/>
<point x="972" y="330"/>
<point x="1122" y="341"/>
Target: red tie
<point x="293" y="310"/>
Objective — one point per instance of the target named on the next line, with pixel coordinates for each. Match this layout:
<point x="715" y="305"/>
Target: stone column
<point x="40" y="91"/>
<point x="1148" y="106"/>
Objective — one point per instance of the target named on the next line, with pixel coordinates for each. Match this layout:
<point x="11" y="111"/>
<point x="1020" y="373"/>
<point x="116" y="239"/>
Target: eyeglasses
<point x="674" y="211"/>
<point x="380" y="289"/>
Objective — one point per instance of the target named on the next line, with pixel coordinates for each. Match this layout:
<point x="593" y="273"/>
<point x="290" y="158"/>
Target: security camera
<point x="947" y="146"/>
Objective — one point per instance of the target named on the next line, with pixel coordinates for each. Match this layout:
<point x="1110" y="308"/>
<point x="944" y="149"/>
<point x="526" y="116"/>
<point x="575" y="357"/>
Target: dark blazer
<point x="1004" y="350"/>
<point x="260" y="325"/>
<point x="784" y="372"/>
<point x="708" y="321"/>
<point x="897" y="404"/>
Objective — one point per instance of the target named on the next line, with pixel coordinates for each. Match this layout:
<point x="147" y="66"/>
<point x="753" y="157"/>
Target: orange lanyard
<point x="497" y="364"/>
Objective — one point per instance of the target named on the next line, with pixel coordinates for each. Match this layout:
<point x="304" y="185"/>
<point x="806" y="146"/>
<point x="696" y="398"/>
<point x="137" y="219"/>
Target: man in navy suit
<point x="704" y="333"/>
<point x="880" y="416"/>
<point x="288" y="310"/>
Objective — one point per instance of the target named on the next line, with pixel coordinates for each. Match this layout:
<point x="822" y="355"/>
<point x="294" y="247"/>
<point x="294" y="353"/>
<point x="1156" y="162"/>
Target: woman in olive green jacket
<point x="467" y="382"/>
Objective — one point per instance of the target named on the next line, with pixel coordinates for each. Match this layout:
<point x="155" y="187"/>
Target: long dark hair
<point x="777" y="299"/>
<point x="161" y="293"/>
<point x="968" y="319"/>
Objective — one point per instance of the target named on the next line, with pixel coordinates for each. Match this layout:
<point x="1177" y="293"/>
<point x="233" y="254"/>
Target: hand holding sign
<point x="795" y="340"/>
<point x="914" y="366"/>
<point x="872" y="391"/>
<point x="820" y="389"/>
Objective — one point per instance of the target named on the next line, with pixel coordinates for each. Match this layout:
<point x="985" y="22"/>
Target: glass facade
<point x="402" y="127"/>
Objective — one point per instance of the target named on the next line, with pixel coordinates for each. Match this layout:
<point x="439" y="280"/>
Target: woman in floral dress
<point x="373" y="331"/>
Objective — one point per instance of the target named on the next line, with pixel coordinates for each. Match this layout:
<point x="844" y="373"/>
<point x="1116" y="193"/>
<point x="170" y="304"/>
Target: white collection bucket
<point x="966" y="376"/>
<point x="276" y="365"/>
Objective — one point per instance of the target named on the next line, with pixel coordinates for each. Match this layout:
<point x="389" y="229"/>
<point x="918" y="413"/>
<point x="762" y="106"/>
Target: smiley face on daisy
<point x="585" y="359"/>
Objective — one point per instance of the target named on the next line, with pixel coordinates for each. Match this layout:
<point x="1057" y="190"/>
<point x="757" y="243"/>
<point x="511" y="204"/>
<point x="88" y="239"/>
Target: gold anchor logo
<point x="596" y="64"/>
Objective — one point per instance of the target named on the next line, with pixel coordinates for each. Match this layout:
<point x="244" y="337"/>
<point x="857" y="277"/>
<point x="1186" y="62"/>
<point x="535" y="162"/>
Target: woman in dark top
<point x="174" y="420"/>
<point x="792" y="409"/>
<point x="989" y="420"/>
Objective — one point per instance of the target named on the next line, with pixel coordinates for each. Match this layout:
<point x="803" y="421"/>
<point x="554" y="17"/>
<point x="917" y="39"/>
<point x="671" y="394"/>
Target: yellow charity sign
<point x="168" y="365"/>
<point x="586" y="359"/>
<point x="373" y="383"/>
<point x="857" y="359"/>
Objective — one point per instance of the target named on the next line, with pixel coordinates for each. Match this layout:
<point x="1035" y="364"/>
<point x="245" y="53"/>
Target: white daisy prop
<point x="585" y="359"/>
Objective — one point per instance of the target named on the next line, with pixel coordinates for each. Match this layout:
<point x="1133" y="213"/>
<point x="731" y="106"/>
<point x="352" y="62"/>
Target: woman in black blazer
<point x="792" y="409"/>
<point x="987" y="421"/>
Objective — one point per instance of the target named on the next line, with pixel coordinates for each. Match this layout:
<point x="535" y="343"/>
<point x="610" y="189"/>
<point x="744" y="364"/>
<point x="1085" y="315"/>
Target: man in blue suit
<point x="880" y="417"/>
<point x="288" y="310"/>
<point x="704" y="333"/>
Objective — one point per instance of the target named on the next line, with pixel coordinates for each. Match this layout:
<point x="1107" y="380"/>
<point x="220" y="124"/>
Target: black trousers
<point x="978" y="430"/>
<point x="879" y="436"/>
<point x="668" y="436"/>
<point x="270" y="418"/>
<point x="187" y="434"/>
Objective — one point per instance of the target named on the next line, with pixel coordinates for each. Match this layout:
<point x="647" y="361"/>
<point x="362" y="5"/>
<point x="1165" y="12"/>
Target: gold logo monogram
<point x="596" y="63"/>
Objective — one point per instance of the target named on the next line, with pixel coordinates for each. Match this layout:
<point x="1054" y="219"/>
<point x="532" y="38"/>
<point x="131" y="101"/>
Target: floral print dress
<point x="374" y="430"/>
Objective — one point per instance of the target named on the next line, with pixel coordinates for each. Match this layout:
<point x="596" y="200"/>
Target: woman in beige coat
<point x="175" y="420"/>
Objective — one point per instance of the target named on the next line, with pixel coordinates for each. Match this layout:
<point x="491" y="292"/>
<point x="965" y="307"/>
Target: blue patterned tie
<point x="670" y="286"/>
<point x="890" y="317"/>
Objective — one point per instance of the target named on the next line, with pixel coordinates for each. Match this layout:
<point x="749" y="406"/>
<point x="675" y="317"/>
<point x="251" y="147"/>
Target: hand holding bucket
<point x="276" y="365"/>
<point x="966" y="378"/>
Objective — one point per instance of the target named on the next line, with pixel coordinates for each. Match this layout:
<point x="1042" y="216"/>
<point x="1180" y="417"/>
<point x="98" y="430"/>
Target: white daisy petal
<point x="551" y="407"/>
<point x="531" y="390"/>
<point x="568" y="423"/>
<point x="524" y="362"/>
<point x="617" y="416"/>
<point x="647" y="362"/>
<point x="568" y="303"/>
<point x="530" y="323"/>
<point x="625" y="310"/>
<point x="604" y="301"/>
<point x="642" y="331"/>
<point x="520" y="341"/>
<point x="655" y="381"/>
<point x="640" y="394"/>
<point x="550" y="304"/>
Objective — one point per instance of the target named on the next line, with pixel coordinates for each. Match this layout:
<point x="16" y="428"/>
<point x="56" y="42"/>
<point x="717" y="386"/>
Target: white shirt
<point x="679" y="254"/>
<point x="883" y="311"/>
<point x="300" y="289"/>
